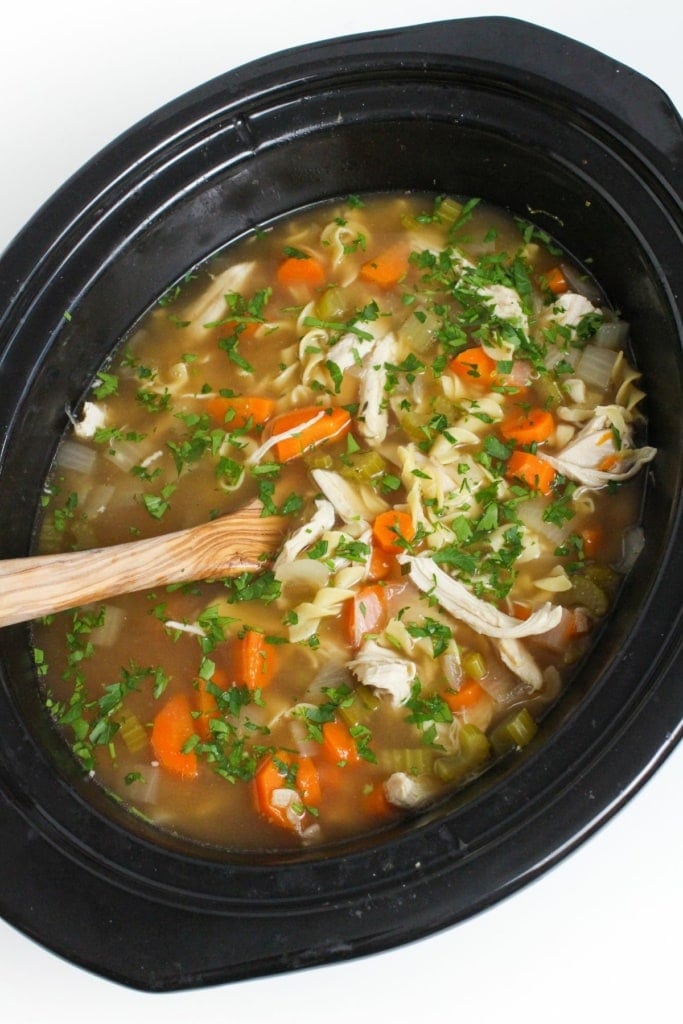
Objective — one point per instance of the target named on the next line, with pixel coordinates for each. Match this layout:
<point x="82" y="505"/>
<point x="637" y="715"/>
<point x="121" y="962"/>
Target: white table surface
<point x="595" y="938"/>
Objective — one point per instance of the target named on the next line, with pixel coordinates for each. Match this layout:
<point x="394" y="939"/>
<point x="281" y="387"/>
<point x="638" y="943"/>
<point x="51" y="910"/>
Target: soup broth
<point x="439" y="404"/>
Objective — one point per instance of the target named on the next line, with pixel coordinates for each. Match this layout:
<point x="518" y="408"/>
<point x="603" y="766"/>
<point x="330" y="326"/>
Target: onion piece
<point x="531" y="515"/>
<point x="632" y="547"/>
<point x="612" y="334"/>
<point x="107" y="634"/>
<point x="596" y="365"/>
<point x="75" y="456"/>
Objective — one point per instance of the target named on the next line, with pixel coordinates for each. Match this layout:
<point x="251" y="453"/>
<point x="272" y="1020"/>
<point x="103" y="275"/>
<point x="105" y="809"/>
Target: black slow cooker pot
<point x="491" y="107"/>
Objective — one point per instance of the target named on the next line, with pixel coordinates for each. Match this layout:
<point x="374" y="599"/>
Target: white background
<point x="592" y="940"/>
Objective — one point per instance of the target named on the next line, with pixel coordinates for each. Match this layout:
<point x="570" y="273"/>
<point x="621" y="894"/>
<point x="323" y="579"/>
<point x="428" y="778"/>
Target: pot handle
<point x="610" y="93"/>
<point x="514" y="52"/>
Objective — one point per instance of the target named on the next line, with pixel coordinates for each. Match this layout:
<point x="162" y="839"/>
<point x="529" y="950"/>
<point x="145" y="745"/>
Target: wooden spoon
<point x="38" y="585"/>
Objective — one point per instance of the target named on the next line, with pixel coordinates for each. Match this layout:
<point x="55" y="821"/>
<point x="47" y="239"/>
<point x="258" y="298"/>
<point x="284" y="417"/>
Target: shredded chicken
<point x="514" y="654"/>
<point x="373" y="416"/>
<point x="211" y="304"/>
<point x="321" y="521"/>
<point x="384" y="670"/>
<point x="92" y="419"/>
<point x="506" y="305"/>
<point x="480" y="615"/>
<point x="504" y="301"/>
<point x="569" y="309"/>
<point x="601" y="451"/>
<point x="349" y="351"/>
<point x="352" y="502"/>
<point x="284" y="435"/>
<point x="403" y="790"/>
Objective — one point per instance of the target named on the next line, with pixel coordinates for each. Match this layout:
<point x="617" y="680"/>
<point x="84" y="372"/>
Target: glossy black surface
<point x="525" y="118"/>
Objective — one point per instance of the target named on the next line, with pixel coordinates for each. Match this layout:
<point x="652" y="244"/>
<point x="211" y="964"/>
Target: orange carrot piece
<point x="330" y="425"/>
<point x="387" y="268"/>
<point x="531" y="470"/>
<point x="592" y="537"/>
<point x="173" y="726"/>
<point x="240" y="410"/>
<point x="556" y="281"/>
<point x="285" y="770"/>
<point x="520" y="610"/>
<point x="469" y="694"/>
<point x="389" y="528"/>
<point x="382" y="564"/>
<point x="365" y="612"/>
<point x="305" y="270"/>
<point x="375" y="803"/>
<point x="527" y="426"/>
<point x="206" y="708"/>
<point x="474" y="366"/>
<point x="338" y="746"/>
<point x="574" y="623"/>
<point x="609" y="463"/>
<point x="253" y="660"/>
<point x="246" y="328"/>
<point x="206" y="705"/>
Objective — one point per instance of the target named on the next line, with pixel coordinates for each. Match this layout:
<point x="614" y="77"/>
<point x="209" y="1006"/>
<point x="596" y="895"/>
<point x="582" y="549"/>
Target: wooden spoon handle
<point x="42" y="584"/>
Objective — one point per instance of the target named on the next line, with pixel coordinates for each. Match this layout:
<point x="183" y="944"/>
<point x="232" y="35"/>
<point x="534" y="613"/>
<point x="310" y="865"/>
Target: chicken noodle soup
<point x="439" y="403"/>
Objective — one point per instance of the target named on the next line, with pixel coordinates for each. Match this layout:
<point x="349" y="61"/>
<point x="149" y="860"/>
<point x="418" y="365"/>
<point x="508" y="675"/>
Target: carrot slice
<point x="574" y="623"/>
<point x="556" y="281"/>
<point x="527" y="426"/>
<point x="240" y="410"/>
<point x="382" y="564"/>
<point x="318" y="426"/>
<point x="390" y="529"/>
<point x="301" y="270"/>
<point x="387" y="268"/>
<point x="531" y="470"/>
<point x="338" y="746"/>
<point x="206" y="708"/>
<point x="173" y="726"/>
<point x="592" y="537"/>
<point x="469" y="694"/>
<point x="375" y="803"/>
<point x="365" y="612"/>
<point x="285" y="770"/>
<point x="474" y="366"/>
<point x="253" y="661"/>
<point x="245" y="328"/>
<point x="520" y="610"/>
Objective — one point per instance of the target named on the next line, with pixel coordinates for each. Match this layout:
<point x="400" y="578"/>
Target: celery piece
<point x="331" y="305"/>
<point x="514" y="733"/>
<point x="549" y="392"/>
<point x="444" y="407"/>
<point x="419" y="331"/>
<point x="361" y="467"/>
<point x="132" y="732"/>
<point x="411" y="760"/>
<point x="319" y="460"/>
<point x="474" y="751"/>
<point x="604" y="576"/>
<point x="367" y="697"/>
<point x="474" y="745"/>
<point x="413" y="425"/>
<point x="449" y="210"/>
<point x="474" y="665"/>
<point x="409" y="222"/>
<point x="358" y="712"/>
<point x="586" y="593"/>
